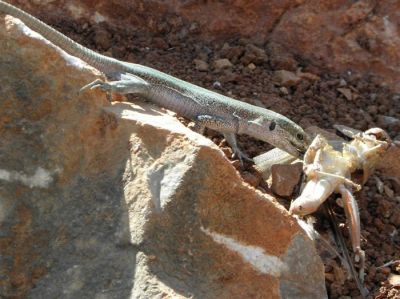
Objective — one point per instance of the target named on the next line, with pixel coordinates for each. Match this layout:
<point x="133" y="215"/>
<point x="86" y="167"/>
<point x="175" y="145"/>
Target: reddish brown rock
<point x="122" y="199"/>
<point x="285" y="178"/>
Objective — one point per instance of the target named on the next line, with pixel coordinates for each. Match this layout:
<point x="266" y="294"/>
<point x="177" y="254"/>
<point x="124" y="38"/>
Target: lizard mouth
<point x="300" y="152"/>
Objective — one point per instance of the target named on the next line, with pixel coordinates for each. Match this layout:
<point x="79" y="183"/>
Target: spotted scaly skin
<point x="206" y="108"/>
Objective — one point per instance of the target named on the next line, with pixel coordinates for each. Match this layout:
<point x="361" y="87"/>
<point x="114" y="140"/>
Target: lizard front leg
<point x="128" y="84"/>
<point x="224" y="126"/>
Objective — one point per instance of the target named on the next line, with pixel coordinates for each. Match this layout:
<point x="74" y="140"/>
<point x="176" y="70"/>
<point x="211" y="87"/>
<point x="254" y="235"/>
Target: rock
<point x="221" y="64"/>
<point x="121" y="200"/>
<point x="285" y="178"/>
<point x="217" y="85"/>
<point x="201" y="65"/>
<point x="308" y="76"/>
<point x="281" y="58"/>
<point x="253" y="54"/>
<point x="251" y="66"/>
<point x="103" y="38"/>
<point x="233" y="53"/>
<point x="346" y="92"/>
<point x="369" y="47"/>
<point x="286" y="78"/>
<point x="251" y="179"/>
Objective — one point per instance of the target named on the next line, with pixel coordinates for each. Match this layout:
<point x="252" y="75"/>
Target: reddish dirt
<point x="307" y="102"/>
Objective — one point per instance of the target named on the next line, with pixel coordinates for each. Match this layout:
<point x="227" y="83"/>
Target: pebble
<point x="251" y="179"/>
<point x="346" y="92"/>
<point x="201" y="65"/>
<point x="285" y="178"/>
<point x="251" y="66"/>
<point x="217" y="85"/>
<point x="221" y="64"/>
<point x="103" y="38"/>
<point x="253" y="54"/>
<point x="286" y="78"/>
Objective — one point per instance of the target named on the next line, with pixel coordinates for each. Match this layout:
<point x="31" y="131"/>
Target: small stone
<point x="284" y="90"/>
<point x="103" y="39"/>
<point x="251" y="179"/>
<point x="227" y="151"/>
<point x="308" y="76"/>
<point x="372" y="109"/>
<point x="200" y="65"/>
<point x="286" y="78"/>
<point x="251" y="66"/>
<point x="385" y="208"/>
<point x="395" y="218"/>
<point x="236" y="164"/>
<point x="253" y="54"/>
<point x="221" y="64"/>
<point x="232" y="53"/>
<point x="342" y="82"/>
<point x="217" y="85"/>
<point x="389" y="192"/>
<point x="285" y="178"/>
<point x="346" y="92"/>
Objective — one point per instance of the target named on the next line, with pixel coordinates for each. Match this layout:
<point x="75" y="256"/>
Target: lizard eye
<point x="300" y="136"/>
<point x="300" y="208"/>
<point x="272" y="126"/>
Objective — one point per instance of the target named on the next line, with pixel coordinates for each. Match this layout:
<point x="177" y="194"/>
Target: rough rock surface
<point x="340" y="35"/>
<point x="104" y="200"/>
<point x="285" y="178"/>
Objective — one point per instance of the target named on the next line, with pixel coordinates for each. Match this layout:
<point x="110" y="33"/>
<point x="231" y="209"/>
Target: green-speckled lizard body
<point x="206" y="108"/>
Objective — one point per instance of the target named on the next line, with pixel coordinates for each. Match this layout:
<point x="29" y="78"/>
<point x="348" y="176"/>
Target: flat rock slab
<point x="103" y="200"/>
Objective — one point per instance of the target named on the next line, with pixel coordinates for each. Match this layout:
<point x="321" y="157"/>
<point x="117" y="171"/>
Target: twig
<point x="340" y="240"/>
<point x="388" y="264"/>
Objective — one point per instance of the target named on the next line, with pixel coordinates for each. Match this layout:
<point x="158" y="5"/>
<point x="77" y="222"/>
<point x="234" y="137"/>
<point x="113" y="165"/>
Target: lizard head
<point x="281" y="132"/>
<point x="303" y="206"/>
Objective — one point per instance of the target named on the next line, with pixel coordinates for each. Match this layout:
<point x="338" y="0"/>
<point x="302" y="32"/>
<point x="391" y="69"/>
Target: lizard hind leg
<point x="353" y="216"/>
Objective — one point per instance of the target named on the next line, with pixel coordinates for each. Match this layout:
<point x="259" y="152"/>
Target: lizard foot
<point x="237" y="153"/>
<point x="98" y="83"/>
<point x="231" y="139"/>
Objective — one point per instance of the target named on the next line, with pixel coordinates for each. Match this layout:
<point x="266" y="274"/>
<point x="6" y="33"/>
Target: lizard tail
<point x="101" y="62"/>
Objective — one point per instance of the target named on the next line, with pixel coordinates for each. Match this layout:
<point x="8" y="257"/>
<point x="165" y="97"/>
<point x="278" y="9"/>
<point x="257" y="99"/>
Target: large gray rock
<point x="101" y="200"/>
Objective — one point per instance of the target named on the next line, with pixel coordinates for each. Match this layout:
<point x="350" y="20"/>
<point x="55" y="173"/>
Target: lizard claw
<point x="237" y="153"/>
<point x="98" y="83"/>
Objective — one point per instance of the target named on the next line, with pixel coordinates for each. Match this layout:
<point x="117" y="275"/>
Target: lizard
<point x="206" y="108"/>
